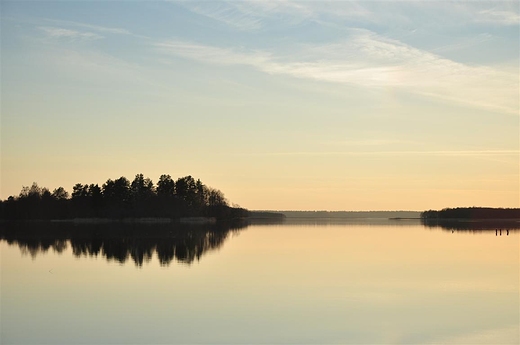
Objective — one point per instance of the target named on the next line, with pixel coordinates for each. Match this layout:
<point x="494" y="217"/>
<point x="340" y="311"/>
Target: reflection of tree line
<point x="120" y="242"/>
<point x="445" y="224"/>
<point x="474" y="219"/>
<point x="307" y="221"/>
<point x="473" y="225"/>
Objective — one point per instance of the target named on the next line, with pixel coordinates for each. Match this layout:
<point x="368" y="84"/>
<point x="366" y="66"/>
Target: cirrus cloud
<point x="69" y="34"/>
<point x="369" y="60"/>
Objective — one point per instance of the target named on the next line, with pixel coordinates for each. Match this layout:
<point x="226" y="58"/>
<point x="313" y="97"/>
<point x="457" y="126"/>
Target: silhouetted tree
<point x="186" y="191"/>
<point x="165" y="186"/>
<point x="79" y="191"/>
<point x="167" y="203"/>
<point x="60" y="193"/>
<point x="117" y="196"/>
<point x="29" y="201"/>
<point x="215" y="197"/>
<point x="96" y="199"/>
<point x="142" y="193"/>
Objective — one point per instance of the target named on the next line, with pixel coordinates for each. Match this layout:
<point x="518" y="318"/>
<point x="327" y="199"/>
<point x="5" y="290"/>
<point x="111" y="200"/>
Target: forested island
<point x="473" y="218"/>
<point x="183" y="198"/>
<point x="472" y="213"/>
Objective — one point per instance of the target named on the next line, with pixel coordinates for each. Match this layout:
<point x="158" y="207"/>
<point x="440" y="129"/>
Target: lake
<point x="300" y="282"/>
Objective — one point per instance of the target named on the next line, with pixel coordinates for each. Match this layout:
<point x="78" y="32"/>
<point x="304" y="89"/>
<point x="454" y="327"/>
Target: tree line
<point x="471" y="213"/>
<point x="121" y="198"/>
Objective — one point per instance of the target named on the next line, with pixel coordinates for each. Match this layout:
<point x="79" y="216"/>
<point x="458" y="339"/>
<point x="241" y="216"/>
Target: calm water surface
<point x="309" y="283"/>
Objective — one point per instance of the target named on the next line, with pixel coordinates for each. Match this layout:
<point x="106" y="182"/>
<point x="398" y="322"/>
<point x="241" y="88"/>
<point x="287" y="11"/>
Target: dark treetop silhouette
<point x="120" y="198"/>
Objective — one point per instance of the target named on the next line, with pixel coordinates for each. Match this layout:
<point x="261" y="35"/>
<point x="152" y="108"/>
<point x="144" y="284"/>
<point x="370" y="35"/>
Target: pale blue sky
<point x="340" y="105"/>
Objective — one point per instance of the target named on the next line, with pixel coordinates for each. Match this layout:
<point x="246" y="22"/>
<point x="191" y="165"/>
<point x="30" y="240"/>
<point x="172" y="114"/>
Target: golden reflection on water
<point x="336" y="283"/>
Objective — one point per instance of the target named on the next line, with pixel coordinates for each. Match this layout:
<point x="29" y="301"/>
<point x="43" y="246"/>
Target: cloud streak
<point x="228" y="14"/>
<point x="504" y="17"/>
<point x="250" y="15"/>
<point x="253" y="15"/>
<point x="444" y="153"/>
<point x="98" y="28"/>
<point x="369" y="60"/>
<point x="59" y="33"/>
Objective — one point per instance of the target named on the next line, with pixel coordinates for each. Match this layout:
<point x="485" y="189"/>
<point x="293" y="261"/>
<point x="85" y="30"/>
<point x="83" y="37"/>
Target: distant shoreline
<point x="404" y="218"/>
<point x="471" y="213"/>
<point x="347" y="214"/>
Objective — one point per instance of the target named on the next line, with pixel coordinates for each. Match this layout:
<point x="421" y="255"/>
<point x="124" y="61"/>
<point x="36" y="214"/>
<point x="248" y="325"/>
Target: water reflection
<point x="475" y="226"/>
<point x="320" y="221"/>
<point x="121" y="242"/>
<point x="330" y="284"/>
<point x="184" y="243"/>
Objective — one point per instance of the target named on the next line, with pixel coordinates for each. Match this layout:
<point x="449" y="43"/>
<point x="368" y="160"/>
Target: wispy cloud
<point x="501" y="13"/>
<point x="250" y="15"/>
<point x="446" y="153"/>
<point x="474" y="41"/>
<point x="228" y="14"/>
<point x="98" y="28"/>
<point x="69" y="34"/>
<point x="503" y="17"/>
<point x="370" y="142"/>
<point x="370" y="60"/>
<point x="420" y="12"/>
<point x="214" y="55"/>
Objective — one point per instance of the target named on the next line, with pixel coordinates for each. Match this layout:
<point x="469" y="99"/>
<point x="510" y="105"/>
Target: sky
<point x="282" y="105"/>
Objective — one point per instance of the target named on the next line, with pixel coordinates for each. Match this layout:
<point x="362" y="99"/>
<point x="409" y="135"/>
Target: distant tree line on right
<point x="471" y="213"/>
